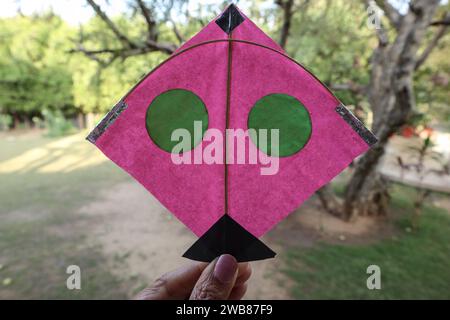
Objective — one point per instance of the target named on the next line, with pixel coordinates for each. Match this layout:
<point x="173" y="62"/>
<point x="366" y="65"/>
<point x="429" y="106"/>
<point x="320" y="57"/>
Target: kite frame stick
<point x="227" y="119"/>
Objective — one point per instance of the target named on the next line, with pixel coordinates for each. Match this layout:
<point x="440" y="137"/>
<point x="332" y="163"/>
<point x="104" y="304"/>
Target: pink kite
<point x="231" y="76"/>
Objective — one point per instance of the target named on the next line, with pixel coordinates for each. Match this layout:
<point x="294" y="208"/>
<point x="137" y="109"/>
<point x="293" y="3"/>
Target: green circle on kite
<point x="175" y="109"/>
<point x="282" y="112"/>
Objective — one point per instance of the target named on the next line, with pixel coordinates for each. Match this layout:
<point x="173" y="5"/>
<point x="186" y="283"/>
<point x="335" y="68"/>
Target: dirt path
<point x="142" y="240"/>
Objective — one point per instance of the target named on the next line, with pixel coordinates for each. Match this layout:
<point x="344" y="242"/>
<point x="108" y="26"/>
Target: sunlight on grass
<point x="43" y="183"/>
<point x="62" y="155"/>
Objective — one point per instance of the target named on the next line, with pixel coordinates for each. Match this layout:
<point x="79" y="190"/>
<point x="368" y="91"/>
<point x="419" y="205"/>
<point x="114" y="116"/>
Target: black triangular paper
<point x="228" y="236"/>
<point x="230" y="19"/>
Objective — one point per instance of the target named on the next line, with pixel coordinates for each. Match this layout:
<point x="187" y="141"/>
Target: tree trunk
<point x="287" y="7"/>
<point x="329" y="201"/>
<point x="81" y="121"/>
<point x="391" y="98"/>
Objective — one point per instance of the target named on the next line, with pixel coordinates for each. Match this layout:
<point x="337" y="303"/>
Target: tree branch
<point x="168" y="17"/>
<point x="392" y="14"/>
<point x="129" y="48"/>
<point x="329" y="201"/>
<point x="94" y="54"/>
<point x="177" y="33"/>
<point x="286" y="6"/>
<point x="165" y="47"/>
<point x="111" y="24"/>
<point x="434" y="42"/>
<point x="151" y="23"/>
<point x="446" y="22"/>
<point x="124" y="53"/>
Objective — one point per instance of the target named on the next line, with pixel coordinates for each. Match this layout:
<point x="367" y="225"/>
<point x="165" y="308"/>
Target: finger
<point x="175" y="285"/>
<point x="238" y="292"/>
<point x="217" y="280"/>
<point x="244" y="273"/>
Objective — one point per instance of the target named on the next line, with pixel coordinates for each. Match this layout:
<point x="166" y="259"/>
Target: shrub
<point x="5" y="122"/>
<point x="56" y="124"/>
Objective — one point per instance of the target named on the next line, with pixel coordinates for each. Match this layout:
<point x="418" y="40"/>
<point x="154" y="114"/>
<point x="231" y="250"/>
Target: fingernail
<point x="225" y="268"/>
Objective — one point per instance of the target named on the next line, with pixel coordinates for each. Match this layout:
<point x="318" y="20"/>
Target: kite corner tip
<point x="227" y="236"/>
<point x="230" y="18"/>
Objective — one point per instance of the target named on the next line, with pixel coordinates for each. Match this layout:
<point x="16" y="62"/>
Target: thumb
<point x="217" y="280"/>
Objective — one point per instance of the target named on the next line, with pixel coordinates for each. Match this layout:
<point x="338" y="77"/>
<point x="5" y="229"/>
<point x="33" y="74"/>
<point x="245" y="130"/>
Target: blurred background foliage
<point x="39" y="69"/>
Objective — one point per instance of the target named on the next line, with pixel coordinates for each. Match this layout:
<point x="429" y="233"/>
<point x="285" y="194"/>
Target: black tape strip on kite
<point x="107" y="120"/>
<point x="357" y="125"/>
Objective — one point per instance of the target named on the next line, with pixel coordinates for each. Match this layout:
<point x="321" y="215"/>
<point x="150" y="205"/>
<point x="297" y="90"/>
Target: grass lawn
<point x="414" y="265"/>
<point x="43" y="183"/>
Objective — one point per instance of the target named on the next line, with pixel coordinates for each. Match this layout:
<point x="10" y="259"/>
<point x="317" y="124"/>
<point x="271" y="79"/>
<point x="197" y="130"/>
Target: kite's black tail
<point x="228" y="236"/>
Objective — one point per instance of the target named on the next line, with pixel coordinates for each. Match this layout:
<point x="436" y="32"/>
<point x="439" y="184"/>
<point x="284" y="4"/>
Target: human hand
<point x="221" y="279"/>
